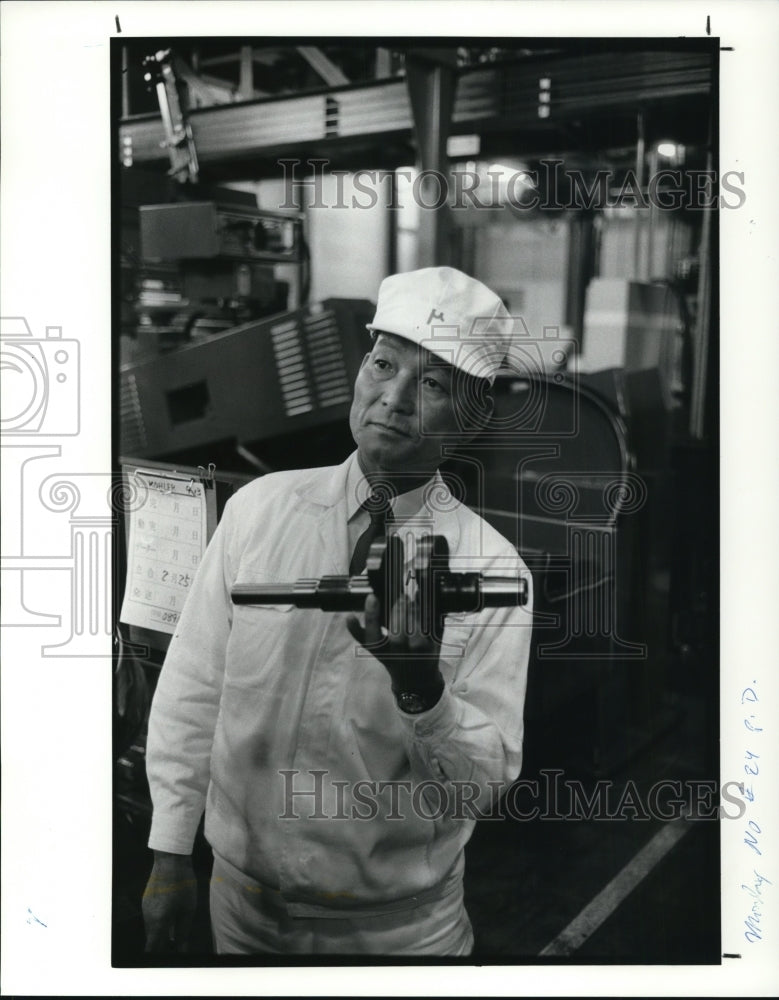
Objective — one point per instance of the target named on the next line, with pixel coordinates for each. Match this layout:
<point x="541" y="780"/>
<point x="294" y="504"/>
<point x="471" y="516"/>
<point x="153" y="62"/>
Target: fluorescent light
<point x="463" y="145"/>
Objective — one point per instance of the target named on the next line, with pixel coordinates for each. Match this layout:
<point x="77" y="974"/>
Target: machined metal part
<point x="441" y="591"/>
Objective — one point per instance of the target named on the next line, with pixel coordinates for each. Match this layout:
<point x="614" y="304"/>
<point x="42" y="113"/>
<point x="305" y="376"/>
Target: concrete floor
<point x="526" y="881"/>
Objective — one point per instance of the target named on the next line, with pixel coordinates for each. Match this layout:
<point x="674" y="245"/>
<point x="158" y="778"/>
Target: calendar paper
<point x="166" y="542"/>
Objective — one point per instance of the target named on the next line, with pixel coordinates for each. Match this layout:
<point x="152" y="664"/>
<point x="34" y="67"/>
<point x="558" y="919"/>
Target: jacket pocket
<point x="263" y="639"/>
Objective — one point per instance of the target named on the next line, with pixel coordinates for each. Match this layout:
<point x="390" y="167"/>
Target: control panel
<point x="205" y="230"/>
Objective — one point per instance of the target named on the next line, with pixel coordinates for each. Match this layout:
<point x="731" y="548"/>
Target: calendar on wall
<point x="167" y="538"/>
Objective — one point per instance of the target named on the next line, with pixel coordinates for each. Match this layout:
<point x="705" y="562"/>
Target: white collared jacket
<point x="315" y="785"/>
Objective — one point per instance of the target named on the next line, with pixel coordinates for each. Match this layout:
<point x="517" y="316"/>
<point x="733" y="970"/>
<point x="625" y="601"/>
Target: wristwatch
<point x="413" y="696"/>
<point x="413" y="703"/>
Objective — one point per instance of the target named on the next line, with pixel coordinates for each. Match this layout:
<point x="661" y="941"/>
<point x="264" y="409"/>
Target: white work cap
<point x="453" y="316"/>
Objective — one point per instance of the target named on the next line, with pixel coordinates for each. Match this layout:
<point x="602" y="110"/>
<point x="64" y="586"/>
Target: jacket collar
<point x="326" y="488"/>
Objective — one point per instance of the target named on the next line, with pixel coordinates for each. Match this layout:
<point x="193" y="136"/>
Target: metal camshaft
<point x="441" y="591"/>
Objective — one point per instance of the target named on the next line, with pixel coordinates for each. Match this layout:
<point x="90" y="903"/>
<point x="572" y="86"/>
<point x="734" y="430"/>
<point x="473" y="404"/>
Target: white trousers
<point x="247" y="921"/>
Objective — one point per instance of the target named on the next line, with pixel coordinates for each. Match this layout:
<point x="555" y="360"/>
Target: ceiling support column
<point x="431" y="80"/>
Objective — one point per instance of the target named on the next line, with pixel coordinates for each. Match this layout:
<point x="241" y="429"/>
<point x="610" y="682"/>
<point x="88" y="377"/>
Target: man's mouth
<point x="390" y="429"/>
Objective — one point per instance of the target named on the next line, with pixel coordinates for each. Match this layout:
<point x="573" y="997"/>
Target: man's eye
<point x="433" y="383"/>
<point x="381" y="364"/>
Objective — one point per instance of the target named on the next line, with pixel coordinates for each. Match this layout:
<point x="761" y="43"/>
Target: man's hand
<point x="409" y="653"/>
<point x="169" y="902"/>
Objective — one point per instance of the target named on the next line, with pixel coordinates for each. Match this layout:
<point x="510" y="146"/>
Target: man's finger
<point x="356" y="630"/>
<point x="398" y="623"/>
<point x="373" y="635"/>
<point x="412" y="618"/>
<point x="419" y="638"/>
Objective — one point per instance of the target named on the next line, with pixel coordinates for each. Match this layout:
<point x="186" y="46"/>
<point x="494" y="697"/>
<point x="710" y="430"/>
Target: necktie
<point x="380" y="512"/>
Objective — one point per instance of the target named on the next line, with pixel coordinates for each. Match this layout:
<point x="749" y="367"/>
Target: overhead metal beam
<point x="225" y="60"/>
<point x="326" y="68"/>
<point x="491" y="100"/>
<point x="206" y="90"/>
<point x="263" y="56"/>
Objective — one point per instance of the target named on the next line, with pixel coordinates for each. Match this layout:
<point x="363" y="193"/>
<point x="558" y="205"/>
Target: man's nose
<point x="400" y="394"/>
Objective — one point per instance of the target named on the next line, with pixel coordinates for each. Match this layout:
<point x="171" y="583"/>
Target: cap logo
<point x="435" y="315"/>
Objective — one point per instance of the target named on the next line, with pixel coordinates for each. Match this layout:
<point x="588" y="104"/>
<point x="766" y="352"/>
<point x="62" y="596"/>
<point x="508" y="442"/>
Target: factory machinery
<point x="224" y="360"/>
<point x="217" y="368"/>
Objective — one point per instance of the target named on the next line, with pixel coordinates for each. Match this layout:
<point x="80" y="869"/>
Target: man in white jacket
<point x="342" y="765"/>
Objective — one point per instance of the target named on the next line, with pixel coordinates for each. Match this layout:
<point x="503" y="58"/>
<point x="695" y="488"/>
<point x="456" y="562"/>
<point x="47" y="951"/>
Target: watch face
<point x="411" y="703"/>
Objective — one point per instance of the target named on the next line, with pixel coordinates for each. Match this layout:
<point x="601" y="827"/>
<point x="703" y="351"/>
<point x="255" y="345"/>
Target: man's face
<point x="400" y="389"/>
